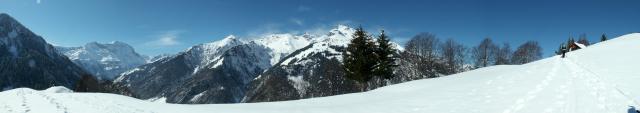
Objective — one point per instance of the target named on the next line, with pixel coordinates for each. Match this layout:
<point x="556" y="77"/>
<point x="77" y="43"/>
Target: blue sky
<point x="162" y="26"/>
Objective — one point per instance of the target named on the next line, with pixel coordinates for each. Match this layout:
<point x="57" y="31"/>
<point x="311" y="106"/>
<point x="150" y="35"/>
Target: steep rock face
<point x="27" y="60"/>
<point x="105" y="61"/>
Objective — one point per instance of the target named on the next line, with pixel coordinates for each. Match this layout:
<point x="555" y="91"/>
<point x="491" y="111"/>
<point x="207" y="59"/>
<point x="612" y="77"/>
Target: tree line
<point x="365" y="58"/>
<point x="571" y="44"/>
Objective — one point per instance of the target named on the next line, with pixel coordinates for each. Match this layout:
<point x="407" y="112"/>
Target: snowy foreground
<point x="603" y="78"/>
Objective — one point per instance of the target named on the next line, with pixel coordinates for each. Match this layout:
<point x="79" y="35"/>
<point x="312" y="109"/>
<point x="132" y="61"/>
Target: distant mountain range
<point x="272" y="67"/>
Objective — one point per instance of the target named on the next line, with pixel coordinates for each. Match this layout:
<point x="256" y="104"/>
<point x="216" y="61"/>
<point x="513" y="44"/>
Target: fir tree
<point x="359" y="58"/>
<point x="583" y="40"/>
<point x="559" y="51"/>
<point x="386" y="59"/>
<point x="603" y="38"/>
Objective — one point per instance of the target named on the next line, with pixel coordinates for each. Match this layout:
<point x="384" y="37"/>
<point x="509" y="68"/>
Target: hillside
<point x="601" y="78"/>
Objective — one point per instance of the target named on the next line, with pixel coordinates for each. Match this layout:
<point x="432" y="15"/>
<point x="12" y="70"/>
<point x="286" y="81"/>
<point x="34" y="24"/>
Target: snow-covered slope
<point x="602" y="78"/>
<point x="105" y="61"/>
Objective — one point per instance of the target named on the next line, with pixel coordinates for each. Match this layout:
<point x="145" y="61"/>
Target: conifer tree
<point x="603" y="38"/>
<point x="559" y="51"/>
<point x="583" y="40"/>
<point x="386" y="59"/>
<point x="359" y="58"/>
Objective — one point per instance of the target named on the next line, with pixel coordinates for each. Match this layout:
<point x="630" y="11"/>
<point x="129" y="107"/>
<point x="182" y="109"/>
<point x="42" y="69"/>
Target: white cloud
<point x="168" y="38"/>
<point x="269" y="28"/>
<point x="297" y="21"/>
<point x="314" y="29"/>
<point x="302" y="8"/>
<point x="344" y="22"/>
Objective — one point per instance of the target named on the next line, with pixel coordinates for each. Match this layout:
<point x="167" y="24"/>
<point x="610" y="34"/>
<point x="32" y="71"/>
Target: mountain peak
<point x="118" y="43"/>
<point x="230" y="37"/>
<point x="341" y="30"/>
<point x="5" y="16"/>
<point x="11" y="26"/>
<point x="343" y="27"/>
<point x="6" y="20"/>
<point x="104" y="60"/>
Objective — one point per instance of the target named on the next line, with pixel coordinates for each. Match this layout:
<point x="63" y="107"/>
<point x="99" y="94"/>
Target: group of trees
<point x="570" y="45"/>
<point x="488" y="53"/>
<point x="450" y="57"/>
<point x="365" y="58"/>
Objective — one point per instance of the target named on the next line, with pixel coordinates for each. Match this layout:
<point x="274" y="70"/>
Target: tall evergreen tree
<point x="603" y="38"/>
<point x="559" y="51"/>
<point x="583" y="40"/>
<point x="359" y="62"/>
<point x="386" y="58"/>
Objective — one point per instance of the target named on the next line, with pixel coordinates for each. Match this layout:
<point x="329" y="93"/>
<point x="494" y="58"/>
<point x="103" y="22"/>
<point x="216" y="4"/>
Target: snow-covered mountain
<point x="216" y="72"/>
<point x="223" y="71"/>
<point x="312" y="71"/>
<point x="104" y="60"/>
<point x="283" y="44"/>
<point x="159" y="57"/>
<point x="601" y="78"/>
<point x="27" y="60"/>
<point x="317" y="71"/>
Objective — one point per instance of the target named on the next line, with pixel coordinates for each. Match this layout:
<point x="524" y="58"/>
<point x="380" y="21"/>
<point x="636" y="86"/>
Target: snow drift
<point x="601" y="78"/>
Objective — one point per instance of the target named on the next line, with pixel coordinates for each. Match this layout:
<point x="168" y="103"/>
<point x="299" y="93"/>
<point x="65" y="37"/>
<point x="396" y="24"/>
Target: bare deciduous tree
<point x="503" y="55"/>
<point x="424" y="48"/>
<point x="453" y="56"/>
<point x="484" y="53"/>
<point x="527" y="52"/>
<point x="424" y="44"/>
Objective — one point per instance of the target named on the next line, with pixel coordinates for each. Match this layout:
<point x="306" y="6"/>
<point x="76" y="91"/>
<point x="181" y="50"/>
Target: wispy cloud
<point x="302" y="8"/>
<point x="314" y="29"/>
<point x="167" y="38"/>
<point x="344" y="22"/>
<point x="269" y="28"/>
<point x="38" y="1"/>
<point x="297" y="21"/>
